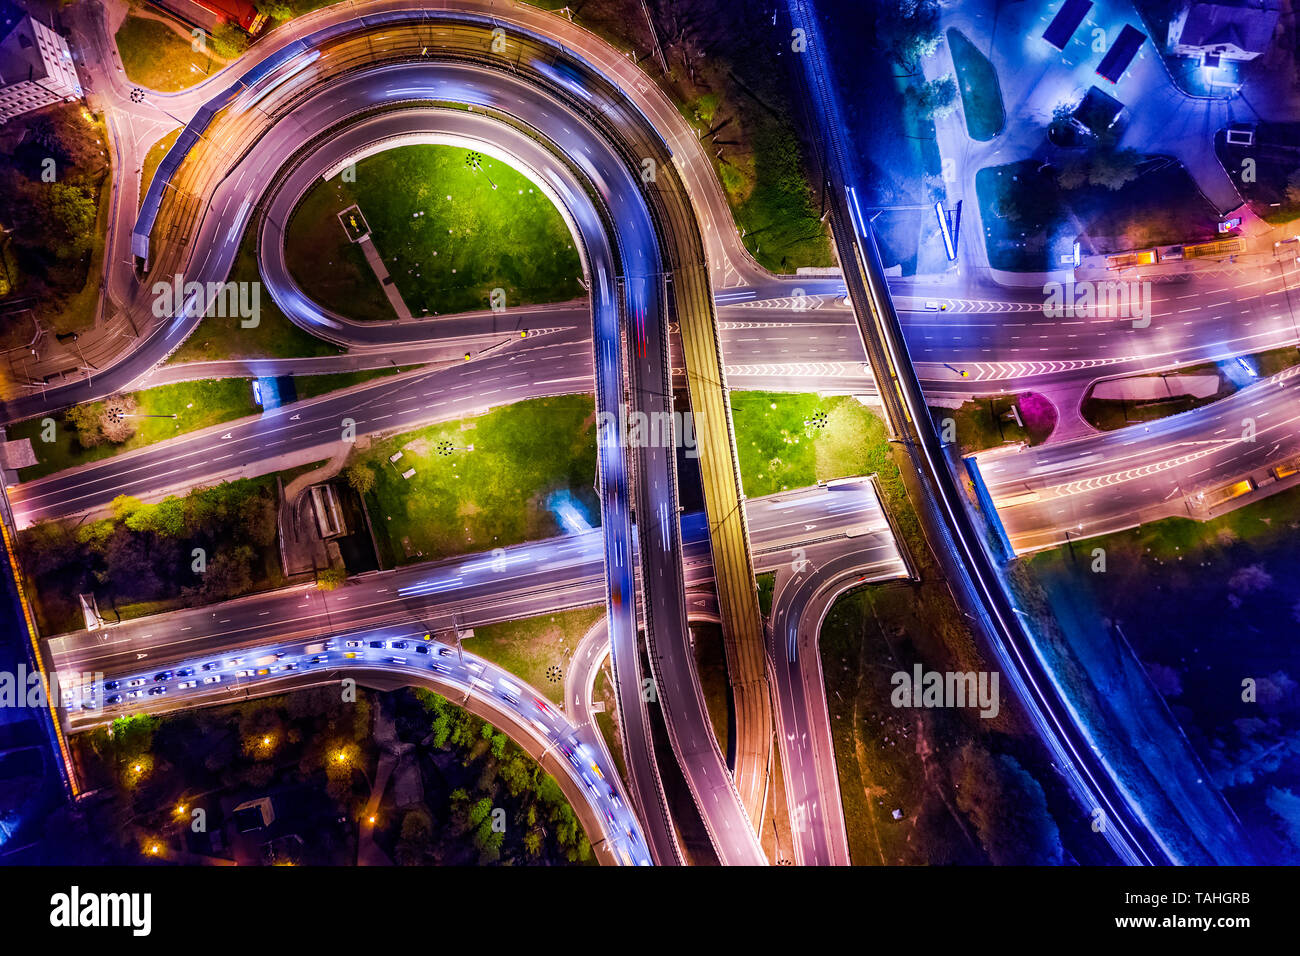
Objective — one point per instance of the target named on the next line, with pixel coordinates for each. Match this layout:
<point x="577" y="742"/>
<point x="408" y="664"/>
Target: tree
<point x="1114" y="168"/>
<point x="908" y="30"/>
<point x="277" y="9"/>
<point x="1008" y="809"/>
<point x="1062" y="130"/>
<point x="229" y="572"/>
<point x="1100" y="166"/>
<point x="228" y="41"/>
<point x="69" y="214"/>
<point x="123" y="506"/>
<point x="480" y="813"/>
<point x="1286" y="806"/>
<point x="45" y="547"/>
<point x="128" y="566"/>
<point x="361" y="478"/>
<point x="166" y="518"/>
<point x="331" y="578"/>
<point x="1293" y="188"/>
<point x="416" y="838"/>
<point x="934" y="99"/>
<point x="85" y="419"/>
<point x="257" y="524"/>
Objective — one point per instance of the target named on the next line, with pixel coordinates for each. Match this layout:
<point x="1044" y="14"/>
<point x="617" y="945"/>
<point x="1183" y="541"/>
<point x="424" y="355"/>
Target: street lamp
<point x="474" y="160"/>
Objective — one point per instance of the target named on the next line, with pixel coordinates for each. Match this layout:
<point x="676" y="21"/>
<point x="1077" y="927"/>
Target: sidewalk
<point x="385" y="280"/>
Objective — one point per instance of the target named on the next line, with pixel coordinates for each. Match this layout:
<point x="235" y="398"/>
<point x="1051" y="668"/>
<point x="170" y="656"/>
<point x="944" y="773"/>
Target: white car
<point x="352" y="644"/>
<point x="133" y="694"/>
<point x="187" y="684"/>
<point x="135" y="682"/>
<point x="243" y="673"/>
<point x="234" y="662"/>
<point x="214" y="679"/>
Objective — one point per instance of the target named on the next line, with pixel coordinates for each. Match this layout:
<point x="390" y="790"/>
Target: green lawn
<point x="274" y="336"/>
<point x="525" y="456"/>
<point x="773" y="204"/>
<point x="155" y="156"/>
<point x="872" y="632"/>
<point x="1185" y="610"/>
<point x="981" y="96"/>
<point x="967" y="790"/>
<point x="766" y="585"/>
<point x="1109" y="414"/>
<point x="795" y="440"/>
<point x="447" y="237"/>
<point x="537" y="649"/>
<point x="155" y="56"/>
<point x="1025" y="220"/>
<point x="195" y="405"/>
<point x="1266" y="524"/>
<point x="986" y="421"/>
<point x="1276" y="360"/>
<point x="1264" y="180"/>
<point x="309" y="386"/>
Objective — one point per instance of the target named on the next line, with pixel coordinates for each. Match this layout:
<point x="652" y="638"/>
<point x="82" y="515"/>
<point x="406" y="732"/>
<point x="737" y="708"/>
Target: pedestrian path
<point x="385" y="280"/>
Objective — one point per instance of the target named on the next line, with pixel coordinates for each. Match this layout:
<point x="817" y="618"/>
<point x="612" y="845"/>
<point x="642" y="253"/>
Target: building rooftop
<point x="20" y="55"/>
<point x="1248" y="25"/>
<point x="1098" y="111"/>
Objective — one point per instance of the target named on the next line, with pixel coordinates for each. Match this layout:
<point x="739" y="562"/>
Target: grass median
<point x="155" y="56"/>
<point x="219" y="338"/>
<point x="988" y="421"/>
<point x="450" y="225"/>
<point x="981" y="95"/>
<point x="155" y="156"/>
<point x="795" y="440"/>
<point x="536" y="649"/>
<point x="77" y="435"/>
<point x="209" y="545"/>
<point x="508" y="476"/>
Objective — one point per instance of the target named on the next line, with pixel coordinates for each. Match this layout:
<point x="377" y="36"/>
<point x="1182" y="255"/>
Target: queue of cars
<point x="550" y="725"/>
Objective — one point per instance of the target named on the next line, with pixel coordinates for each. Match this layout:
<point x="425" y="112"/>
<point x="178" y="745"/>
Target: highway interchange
<point x="781" y="333"/>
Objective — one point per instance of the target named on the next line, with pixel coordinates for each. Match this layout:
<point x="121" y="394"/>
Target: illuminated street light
<point x="474" y="161"/>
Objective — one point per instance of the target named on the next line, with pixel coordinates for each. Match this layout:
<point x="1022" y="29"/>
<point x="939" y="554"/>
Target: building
<point x="254" y="815"/>
<point x="1097" y="113"/>
<point x="1223" y="30"/>
<point x="36" y="67"/>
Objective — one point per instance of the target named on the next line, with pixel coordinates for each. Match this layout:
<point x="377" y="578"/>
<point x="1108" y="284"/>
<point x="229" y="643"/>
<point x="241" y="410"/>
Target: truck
<point x="1225" y="493"/>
